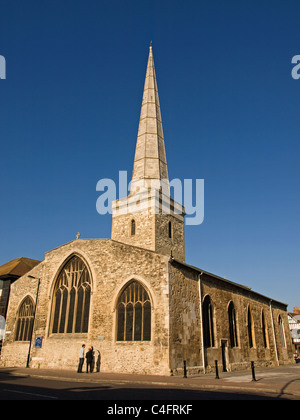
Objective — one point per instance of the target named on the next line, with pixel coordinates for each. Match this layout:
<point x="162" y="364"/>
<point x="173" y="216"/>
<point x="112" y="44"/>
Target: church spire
<point x="150" y="157"/>
<point x="148" y="217"/>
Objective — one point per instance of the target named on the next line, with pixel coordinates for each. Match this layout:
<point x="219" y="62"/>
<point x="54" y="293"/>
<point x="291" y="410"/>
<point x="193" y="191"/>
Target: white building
<point x="294" y="324"/>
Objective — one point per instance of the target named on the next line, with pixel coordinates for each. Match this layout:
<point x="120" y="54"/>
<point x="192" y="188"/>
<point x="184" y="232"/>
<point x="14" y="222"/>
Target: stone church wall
<point x="185" y="325"/>
<point x="221" y="294"/>
<point x="112" y="265"/>
<point x="175" y="325"/>
<point x="185" y="329"/>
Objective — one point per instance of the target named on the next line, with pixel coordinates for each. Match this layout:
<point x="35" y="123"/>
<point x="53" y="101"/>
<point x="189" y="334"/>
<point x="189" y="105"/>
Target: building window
<point x="132" y="228"/>
<point x="25" y="320"/>
<point x="170" y="230"/>
<point x="208" y="323"/>
<point x="134" y="314"/>
<point x="71" y="299"/>
<point x="251" y="336"/>
<point x="281" y="332"/>
<point x="264" y="330"/>
<point x="232" y="326"/>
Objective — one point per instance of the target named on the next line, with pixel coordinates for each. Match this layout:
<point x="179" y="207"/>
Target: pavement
<point x="280" y="382"/>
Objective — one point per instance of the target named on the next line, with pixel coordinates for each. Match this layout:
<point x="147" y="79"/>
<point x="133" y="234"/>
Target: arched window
<point x="251" y="336"/>
<point x="264" y="327"/>
<point x="281" y="332"/>
<point x="232" y="326"/>
<point x="134" y="314"/>
<point x="25" y="320"/>
<point x="71" y="299"/>
<point x="132" y="228"/>
<point x="208" y="323"/>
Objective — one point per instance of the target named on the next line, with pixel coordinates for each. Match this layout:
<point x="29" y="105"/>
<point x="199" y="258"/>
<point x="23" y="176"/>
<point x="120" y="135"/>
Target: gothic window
<point x="208" y="323"/>
<point x="250" y="329"/>
<point x="281" y="332"/>
<point x="134" y="314"/>
<point x="25" y="320"/>
<point x="71" y="299"/>
<point x="264" y="330"/>
<point x="232" y="326"/>
<point x="132" y="227"/>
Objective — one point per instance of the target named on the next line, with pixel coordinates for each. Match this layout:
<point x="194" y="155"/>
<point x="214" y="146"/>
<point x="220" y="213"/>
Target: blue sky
<point x="69" y="116"/>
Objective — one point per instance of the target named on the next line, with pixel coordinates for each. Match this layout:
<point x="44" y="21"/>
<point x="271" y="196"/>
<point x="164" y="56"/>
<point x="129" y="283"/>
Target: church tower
<point x="148" y="217"/>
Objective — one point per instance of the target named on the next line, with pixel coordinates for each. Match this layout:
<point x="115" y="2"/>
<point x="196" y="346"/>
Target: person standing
<point x="98" y="364"/>
<point x="89" y="360"/>
<point x="81" y="358"/>
<point x="93" y="360"/>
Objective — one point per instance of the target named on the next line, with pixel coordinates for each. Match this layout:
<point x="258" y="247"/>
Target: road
<point x="36" y="385"/>
<point x="44" y="389"/>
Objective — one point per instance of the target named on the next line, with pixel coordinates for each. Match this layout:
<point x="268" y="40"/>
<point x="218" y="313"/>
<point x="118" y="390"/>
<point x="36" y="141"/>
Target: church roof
<point x="17" y="267"/>
<point x="240" y="286"/>
<point x="150" y="161"/>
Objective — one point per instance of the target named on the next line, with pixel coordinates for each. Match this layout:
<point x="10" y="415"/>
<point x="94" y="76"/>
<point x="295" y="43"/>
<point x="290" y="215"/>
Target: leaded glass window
<point x="232" y="326"/>
<point x="264" y="330"/>
<point x="208" y="323"/>
<point x="134" y="314"/>
<point x="251" y="335"/>
<point x="71" y="299"/>
<point x="25" y="320"/>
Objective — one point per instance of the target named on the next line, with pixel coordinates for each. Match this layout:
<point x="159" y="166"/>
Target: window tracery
<point x="134" y="314"/>
<point x="71" y="299"/>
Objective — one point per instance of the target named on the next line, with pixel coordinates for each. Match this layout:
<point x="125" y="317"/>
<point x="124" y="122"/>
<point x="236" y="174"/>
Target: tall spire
<point x="148" y="217"/>
<point x="150" y="157"/>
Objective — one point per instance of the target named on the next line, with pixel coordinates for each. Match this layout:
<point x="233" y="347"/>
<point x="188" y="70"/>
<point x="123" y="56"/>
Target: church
<point x="133" y="298"/>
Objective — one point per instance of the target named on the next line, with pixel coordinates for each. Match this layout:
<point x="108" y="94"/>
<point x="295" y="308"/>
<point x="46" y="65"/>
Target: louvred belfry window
<point x="71" y="299"/>
<point x="134" y="314"/>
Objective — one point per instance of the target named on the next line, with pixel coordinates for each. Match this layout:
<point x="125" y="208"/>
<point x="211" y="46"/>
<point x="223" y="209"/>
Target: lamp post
<point x="36" y="300"/>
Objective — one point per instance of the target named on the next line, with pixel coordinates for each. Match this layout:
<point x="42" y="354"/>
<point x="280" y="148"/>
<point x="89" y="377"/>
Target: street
<point x="35" y="384"/>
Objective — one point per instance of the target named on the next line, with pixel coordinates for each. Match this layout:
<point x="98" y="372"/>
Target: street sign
<point x="38" y="342"/>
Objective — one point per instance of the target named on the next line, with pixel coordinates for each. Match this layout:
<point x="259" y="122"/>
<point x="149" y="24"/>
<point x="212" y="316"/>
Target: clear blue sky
<point x="230" y="108"/>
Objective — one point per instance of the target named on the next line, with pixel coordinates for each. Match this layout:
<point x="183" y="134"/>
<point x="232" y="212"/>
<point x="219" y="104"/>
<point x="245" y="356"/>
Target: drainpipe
<point x="276" y="350"/>
<point x="201" y="323"/>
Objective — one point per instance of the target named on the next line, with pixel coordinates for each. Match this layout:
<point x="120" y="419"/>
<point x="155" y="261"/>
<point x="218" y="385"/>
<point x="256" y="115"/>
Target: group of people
<point x="90" y="360"/>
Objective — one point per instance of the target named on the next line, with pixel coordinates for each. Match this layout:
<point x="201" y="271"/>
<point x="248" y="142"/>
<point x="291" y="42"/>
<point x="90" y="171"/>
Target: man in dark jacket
<point x="89" y="360"/>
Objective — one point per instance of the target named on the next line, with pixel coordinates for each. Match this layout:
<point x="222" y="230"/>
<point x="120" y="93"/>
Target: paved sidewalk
<point x="280" y="381"/>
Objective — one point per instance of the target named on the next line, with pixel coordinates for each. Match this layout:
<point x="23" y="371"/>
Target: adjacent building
<point x="294" y="324"/>
<point x="9" y="273"/>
